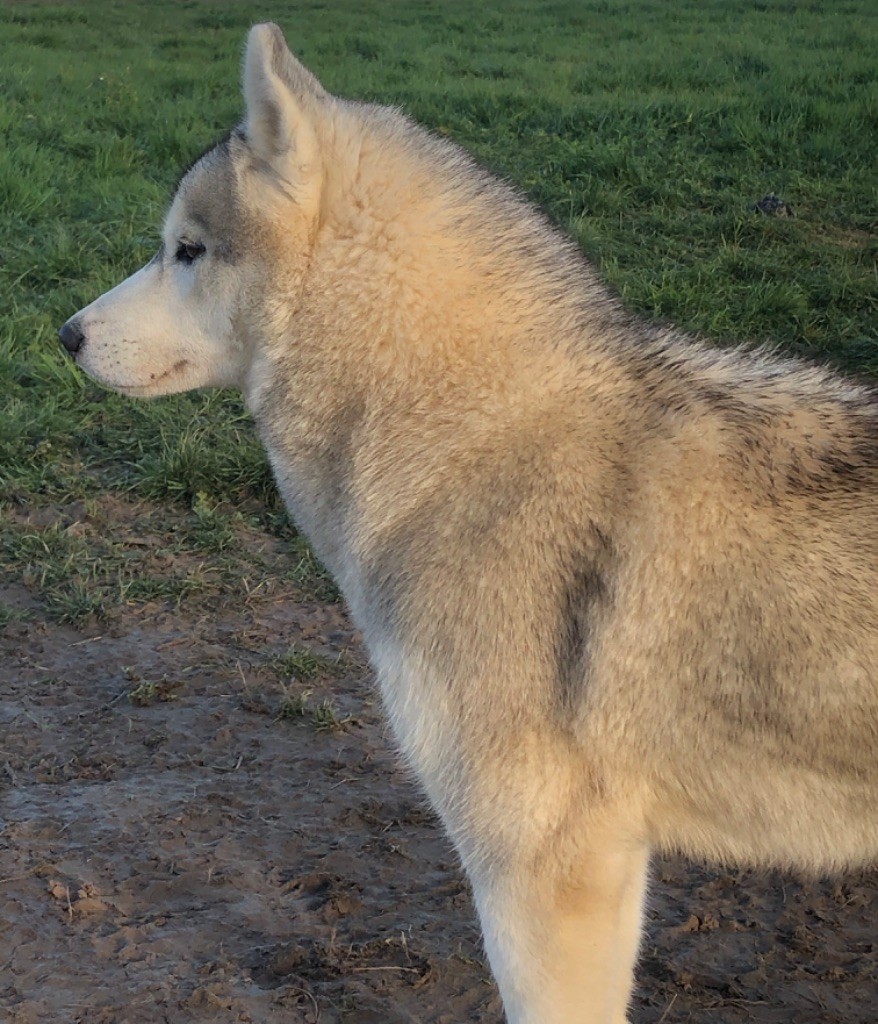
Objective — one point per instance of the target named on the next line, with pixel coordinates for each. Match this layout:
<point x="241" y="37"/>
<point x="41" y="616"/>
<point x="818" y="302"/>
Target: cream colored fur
<point x="618" y="588"/>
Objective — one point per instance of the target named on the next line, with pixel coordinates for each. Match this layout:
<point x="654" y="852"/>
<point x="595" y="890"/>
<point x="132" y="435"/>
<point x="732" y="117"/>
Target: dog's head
<point x="244" y="211"/>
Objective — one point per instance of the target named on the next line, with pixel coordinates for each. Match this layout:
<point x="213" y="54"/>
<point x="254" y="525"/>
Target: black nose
<point x="71" y="336"/>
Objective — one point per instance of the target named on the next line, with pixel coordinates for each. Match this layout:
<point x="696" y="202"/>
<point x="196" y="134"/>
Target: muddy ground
<point x="196" y="829"/>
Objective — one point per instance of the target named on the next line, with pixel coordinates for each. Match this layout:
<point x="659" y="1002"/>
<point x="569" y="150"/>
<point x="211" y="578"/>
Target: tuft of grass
<point x="10" y="614"/>
<point x="309" y="575"/>
<point x="324" y="717"/>
<point x="75" y="603"/>
<point x="59" y="566"/>
<point x="147" y="692"/>
<point x="301" y="663"/>
<point x="213" y="530"/>
<point x="111" y="559"/>
<point x="294" y="705"/>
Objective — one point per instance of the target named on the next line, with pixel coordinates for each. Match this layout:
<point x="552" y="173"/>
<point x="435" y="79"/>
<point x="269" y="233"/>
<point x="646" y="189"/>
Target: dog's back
<point x="745" y="608"/>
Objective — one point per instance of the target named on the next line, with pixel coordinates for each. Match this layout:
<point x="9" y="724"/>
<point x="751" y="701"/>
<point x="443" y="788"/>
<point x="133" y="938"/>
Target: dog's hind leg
<point x="563" y="946"/>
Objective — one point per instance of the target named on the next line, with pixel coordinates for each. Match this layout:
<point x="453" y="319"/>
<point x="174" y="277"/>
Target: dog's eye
<point x="188" y="252"/>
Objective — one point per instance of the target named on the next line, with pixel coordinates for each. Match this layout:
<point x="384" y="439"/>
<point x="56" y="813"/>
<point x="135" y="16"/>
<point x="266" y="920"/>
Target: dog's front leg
<point x="563" y="946"/>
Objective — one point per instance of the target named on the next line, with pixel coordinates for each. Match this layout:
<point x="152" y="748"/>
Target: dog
<point x="617" y="586"/>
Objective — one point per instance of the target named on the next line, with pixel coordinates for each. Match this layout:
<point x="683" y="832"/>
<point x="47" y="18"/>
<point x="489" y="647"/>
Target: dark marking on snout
<point x="178" y="367"/>
<point x="72" y="336"/>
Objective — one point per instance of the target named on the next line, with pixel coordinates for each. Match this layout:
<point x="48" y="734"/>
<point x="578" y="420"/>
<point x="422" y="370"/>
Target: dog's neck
<point x="411" y="341"/>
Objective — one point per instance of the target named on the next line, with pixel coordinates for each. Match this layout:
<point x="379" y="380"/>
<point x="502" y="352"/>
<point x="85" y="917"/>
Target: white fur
<point x="148" y="337"/>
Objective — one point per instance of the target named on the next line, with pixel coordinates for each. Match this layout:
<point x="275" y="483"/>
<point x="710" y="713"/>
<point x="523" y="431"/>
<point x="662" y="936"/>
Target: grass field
<point x="202" y="819"/>
<point x="647" y="129"/>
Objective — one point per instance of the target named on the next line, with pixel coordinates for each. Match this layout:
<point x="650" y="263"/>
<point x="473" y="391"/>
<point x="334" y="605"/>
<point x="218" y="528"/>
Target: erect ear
<point x="281" y="98"/>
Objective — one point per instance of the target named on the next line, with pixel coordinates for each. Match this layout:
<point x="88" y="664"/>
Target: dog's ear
<point x="281" y="97"/>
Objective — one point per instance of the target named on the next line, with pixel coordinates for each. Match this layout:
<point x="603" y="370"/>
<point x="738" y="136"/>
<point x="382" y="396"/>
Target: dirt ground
<point x="187" y="836"/>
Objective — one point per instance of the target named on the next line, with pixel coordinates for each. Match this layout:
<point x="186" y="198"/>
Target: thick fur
<point x="618" y="587"/>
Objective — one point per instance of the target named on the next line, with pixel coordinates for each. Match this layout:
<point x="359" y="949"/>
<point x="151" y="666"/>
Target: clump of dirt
<point x="178" y="846"/>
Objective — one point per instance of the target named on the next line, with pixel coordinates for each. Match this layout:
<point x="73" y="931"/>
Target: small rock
<point x="773" y="206"/>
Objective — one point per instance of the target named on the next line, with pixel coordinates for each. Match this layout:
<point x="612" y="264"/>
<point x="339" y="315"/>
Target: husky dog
<point x="618" y="587"/>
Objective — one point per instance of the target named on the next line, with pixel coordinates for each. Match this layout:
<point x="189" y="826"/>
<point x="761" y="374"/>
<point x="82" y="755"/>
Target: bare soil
<point x="188" y="837"/>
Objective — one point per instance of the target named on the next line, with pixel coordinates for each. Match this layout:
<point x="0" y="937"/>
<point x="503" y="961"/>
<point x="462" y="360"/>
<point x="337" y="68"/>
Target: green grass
<point x="324" y="717"/>
<point x="81" y="577"/>
<point x="147" y="692"/>
<point x="648" y="129"/>
<point x="301" y="664"/>
<point x="114" y="560"/>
